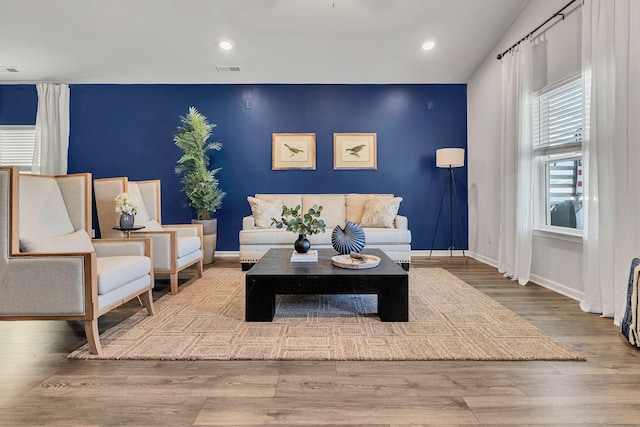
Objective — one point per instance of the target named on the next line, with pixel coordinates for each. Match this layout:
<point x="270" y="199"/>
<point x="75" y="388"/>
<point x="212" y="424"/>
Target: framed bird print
<point x="293" y="151"/>
<point x="354" y="151"/>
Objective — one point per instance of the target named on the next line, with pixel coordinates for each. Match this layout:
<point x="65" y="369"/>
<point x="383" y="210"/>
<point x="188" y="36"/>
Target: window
<point x="16" y="146"/>
<point x="557" y="142"/>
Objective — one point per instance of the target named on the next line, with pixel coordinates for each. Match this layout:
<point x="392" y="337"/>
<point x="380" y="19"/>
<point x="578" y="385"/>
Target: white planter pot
<point x="210" y="228"/>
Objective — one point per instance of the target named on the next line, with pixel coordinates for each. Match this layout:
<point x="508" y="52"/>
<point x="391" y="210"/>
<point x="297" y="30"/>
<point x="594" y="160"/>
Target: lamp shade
<point x="450" y="157"/>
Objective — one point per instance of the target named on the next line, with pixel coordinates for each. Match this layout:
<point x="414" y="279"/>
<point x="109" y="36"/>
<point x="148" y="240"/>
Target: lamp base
<point x="453" y="196"/>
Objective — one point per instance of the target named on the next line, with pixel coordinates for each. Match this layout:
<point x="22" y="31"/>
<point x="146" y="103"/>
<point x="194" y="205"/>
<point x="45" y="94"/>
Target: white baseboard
<point x="439" y="253"/>
<point x="538" y="280"/>
<point x="227" y="254"/>
<point x="489" y="261"/>
<point x="557" y="287"/>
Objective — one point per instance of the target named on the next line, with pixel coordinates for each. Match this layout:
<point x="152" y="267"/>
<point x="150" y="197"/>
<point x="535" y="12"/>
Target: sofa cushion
<point x="380" y="212"/>
<point x="373" y="236"/>
<point x="275" y="236"/>
<point x="288" y="200"/>
<point x="43" y="212"/>
<point x="355" y="205"/>
<point x="116" y="271"/>
<point x="386" y="236"/>
<point x="333" y="208"/>
<point x="264" y="210"/>
<point x="78" y="241"/>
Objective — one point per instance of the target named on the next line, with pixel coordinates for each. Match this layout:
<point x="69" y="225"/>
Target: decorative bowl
<point x="345" y="261"/>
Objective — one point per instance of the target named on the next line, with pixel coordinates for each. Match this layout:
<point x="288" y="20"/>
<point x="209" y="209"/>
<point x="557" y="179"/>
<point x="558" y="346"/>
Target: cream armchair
<point x="175" y="247"/>
<point x="50" y="269"/>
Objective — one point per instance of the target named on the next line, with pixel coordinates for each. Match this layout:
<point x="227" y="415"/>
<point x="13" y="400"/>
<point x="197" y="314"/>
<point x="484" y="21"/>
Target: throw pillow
<point x="264" y="210"/>
<point x="78" y="241"/>
<point x="380" y="212"/>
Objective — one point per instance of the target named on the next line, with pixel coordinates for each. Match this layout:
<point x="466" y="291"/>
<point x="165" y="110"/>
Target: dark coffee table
<point x="275" y="274"/>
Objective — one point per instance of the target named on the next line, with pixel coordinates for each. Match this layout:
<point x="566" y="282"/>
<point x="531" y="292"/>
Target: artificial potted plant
<point x="301" y="224"/>
<point x="200" y="184"/>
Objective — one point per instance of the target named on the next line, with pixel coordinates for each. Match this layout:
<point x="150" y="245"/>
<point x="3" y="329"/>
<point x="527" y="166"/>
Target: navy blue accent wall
<point x="18" y="104"/>
<point x="128" y="130"/>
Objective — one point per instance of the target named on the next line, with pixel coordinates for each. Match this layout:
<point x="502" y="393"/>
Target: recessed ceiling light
<point x="428" y="45"/>
<point x="226" y="45"/>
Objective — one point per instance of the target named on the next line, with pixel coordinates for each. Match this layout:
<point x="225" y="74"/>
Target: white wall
<point x="556" y="263"/>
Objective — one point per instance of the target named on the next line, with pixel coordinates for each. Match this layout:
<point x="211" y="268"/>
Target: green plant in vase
<point x="302" y="224"/>
<point x="200" y="184"/>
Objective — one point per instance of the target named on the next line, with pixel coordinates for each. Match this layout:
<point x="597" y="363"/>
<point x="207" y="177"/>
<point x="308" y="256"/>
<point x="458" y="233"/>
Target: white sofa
<point x="392" y="235"/>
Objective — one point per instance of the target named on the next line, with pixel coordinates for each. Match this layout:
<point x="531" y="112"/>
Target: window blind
<point x="16" y="146"/>
<point x="557" y="118"/>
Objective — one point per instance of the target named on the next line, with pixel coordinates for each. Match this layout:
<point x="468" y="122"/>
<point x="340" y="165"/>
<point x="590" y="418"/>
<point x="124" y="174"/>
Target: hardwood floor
<point x="39" y="386"/>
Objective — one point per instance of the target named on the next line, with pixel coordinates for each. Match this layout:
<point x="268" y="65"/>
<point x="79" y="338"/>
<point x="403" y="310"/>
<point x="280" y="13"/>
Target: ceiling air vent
<point x="227" y="68"/>
<point x="9" y="68"/>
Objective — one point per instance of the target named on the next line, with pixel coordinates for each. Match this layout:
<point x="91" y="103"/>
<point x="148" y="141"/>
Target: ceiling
<point x="275" y="41"/>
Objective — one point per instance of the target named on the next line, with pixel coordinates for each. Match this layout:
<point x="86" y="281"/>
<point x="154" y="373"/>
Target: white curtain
<point x="52" y="129"/>
<point x="611" y="151"/>
<point x="516" y="197"/>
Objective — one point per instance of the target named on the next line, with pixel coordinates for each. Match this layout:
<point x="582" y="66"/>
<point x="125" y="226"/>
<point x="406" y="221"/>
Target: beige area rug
<point x="448" y="320"/>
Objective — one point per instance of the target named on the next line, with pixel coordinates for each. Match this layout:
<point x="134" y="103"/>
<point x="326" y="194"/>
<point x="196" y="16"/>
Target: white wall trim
<point x="492" y="262"/>
<point x="557" y="287"/>
<point x="227" y="254"/>
<point x="575" y="238"/>
<point x="538" y="280"/>
<point x="439" y="253"/>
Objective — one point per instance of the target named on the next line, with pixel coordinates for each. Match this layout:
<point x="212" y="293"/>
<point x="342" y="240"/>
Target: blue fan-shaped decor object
<point x="348" y="239"/>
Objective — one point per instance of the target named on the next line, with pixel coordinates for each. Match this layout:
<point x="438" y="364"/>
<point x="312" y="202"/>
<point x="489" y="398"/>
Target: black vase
<point x="126" y="220"/>
<point x="302" y="245"/>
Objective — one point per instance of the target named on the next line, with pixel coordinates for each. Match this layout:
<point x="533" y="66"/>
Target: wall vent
<point x="227" y="68"/>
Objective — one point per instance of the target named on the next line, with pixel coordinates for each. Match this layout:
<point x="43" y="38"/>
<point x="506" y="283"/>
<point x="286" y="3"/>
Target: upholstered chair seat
<point x="50" y="268"/>
<point x="175" y="247"/>
<point x="116" y="271"/>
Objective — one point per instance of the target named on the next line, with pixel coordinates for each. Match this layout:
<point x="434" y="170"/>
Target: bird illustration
<point x="293" y="150"/>
<point x="355" y="150"/>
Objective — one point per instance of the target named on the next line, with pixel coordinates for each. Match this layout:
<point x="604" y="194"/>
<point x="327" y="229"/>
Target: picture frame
<point x="353" y="151"/>
<point x="293" y="151"/>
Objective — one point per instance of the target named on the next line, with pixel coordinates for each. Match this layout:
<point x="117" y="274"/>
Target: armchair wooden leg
<point x="93" y="336"/>
<point x="200" y="268"/>
<point x="147" y="301"/>
<point x="173" y="279"/>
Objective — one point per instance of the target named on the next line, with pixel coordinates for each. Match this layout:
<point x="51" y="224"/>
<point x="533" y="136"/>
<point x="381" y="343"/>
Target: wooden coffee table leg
<point x="393" y="303"/>
<point x="260" y="301"/>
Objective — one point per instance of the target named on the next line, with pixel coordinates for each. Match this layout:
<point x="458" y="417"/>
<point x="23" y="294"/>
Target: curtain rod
<point x="558" y="13"/>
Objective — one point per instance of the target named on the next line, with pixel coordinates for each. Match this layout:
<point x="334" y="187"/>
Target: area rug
<point x="448" y="320"/>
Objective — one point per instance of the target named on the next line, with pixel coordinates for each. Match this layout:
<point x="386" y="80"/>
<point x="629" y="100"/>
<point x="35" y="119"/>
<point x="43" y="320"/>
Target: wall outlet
<point x="490" y="238"/>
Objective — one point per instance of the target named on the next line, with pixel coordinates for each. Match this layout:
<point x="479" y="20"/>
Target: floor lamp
<point x="449" y="158"/>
